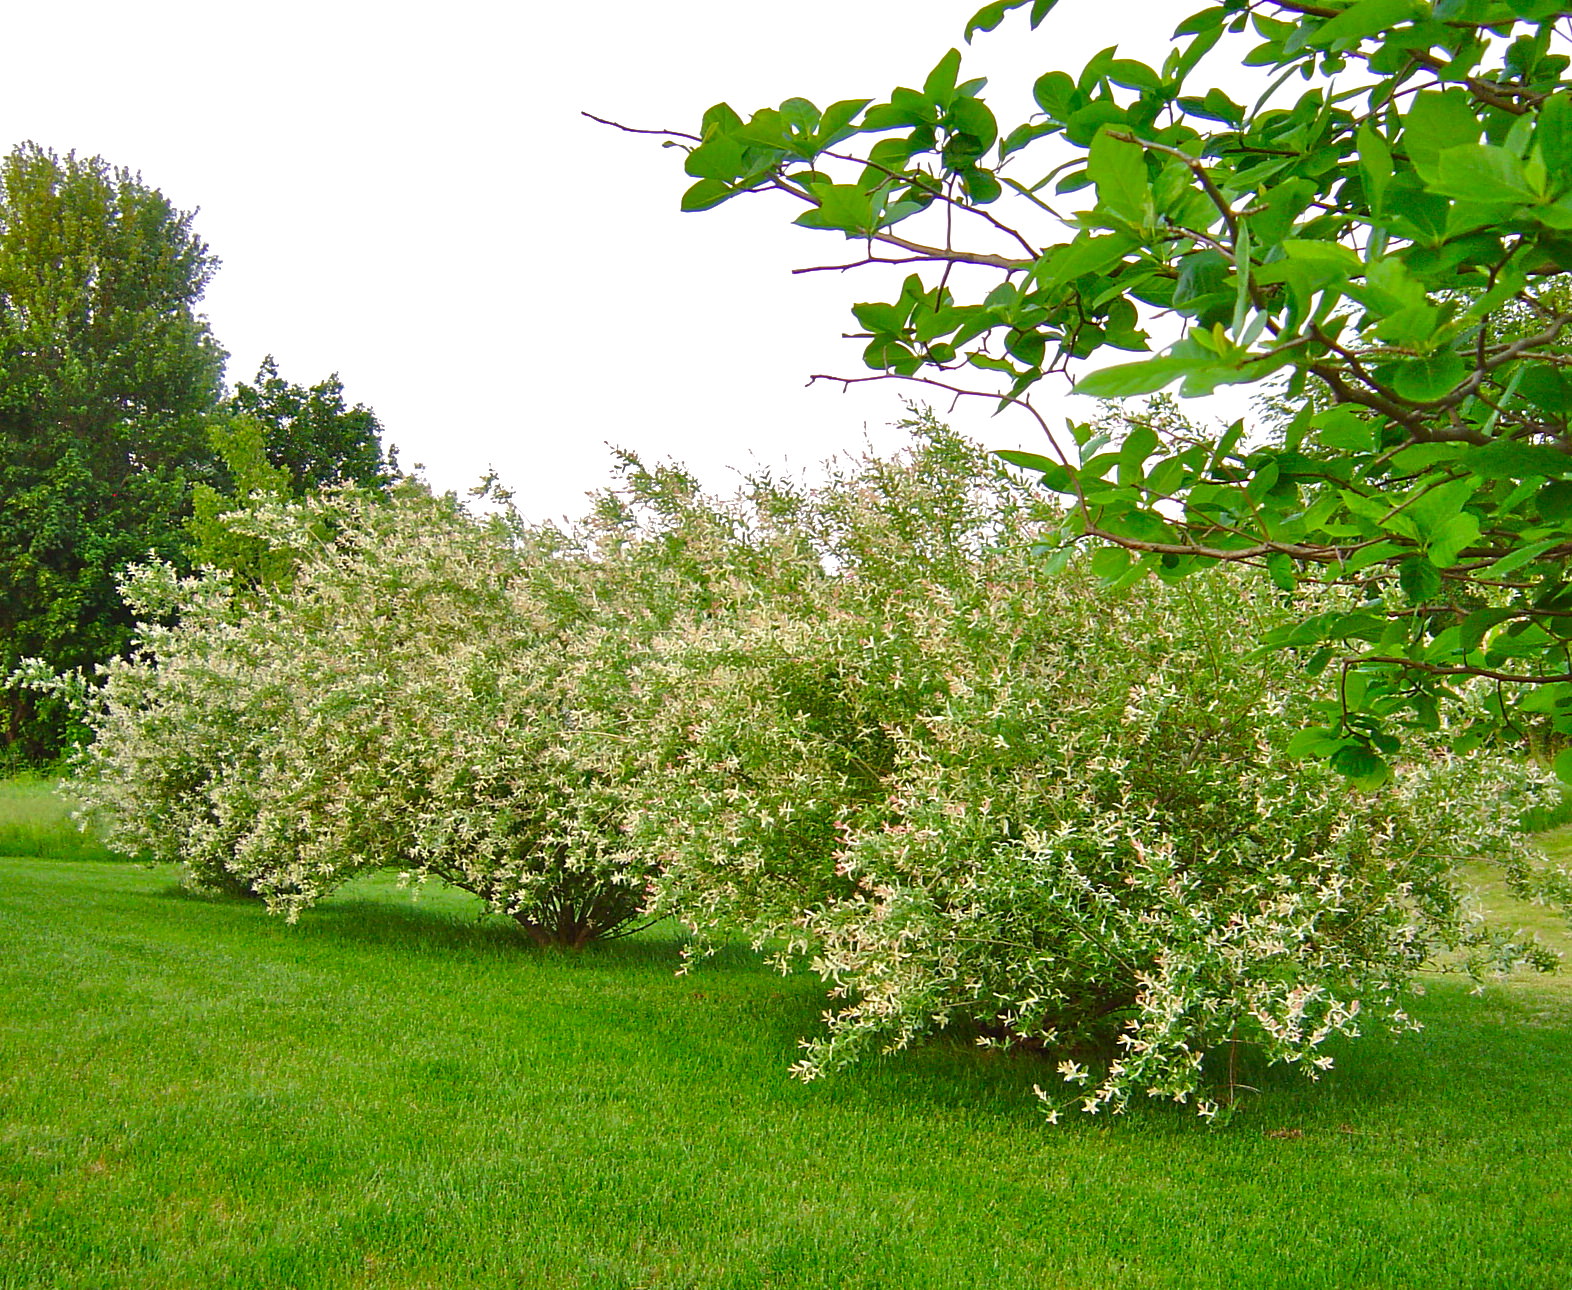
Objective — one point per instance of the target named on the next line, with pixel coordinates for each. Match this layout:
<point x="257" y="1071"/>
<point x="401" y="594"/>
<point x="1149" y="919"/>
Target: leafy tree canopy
<point x="107" y="380"/>
<point x="308" y="431"/>
<point x="1381" y="233"/>
<point x="280" y="441"/>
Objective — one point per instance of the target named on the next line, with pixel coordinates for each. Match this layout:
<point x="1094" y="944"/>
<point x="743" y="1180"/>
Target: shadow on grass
<point x="445" y="921"/>
<point x="414" y="924"/>
<point x="1423" y="1087"/>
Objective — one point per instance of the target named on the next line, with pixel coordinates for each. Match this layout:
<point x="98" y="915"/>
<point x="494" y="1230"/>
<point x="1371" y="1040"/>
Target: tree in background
<point x="108" y="381"/>
<point x="254" y="482"/>
<point x="281" y="441"/>
<point x="311" y="434"/>
<point x="1383" y="235"/>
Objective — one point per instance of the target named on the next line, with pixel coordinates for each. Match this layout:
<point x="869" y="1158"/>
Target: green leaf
<point x="1084" y="123"/>
<point x="1554" y="501"/>
<point x="982" y="187"/>
<point x="1435" y="505"/>
<point x="845" y="207"/>
<point x="1481" y="172"/>
<point x="989" y="363"/>
<point x="881" y="318"/>
<point x="1215" y="106"/>
<point x="1375" y="553"/>
<point x="717" y="158"/>
<point x="1375" y="162"/>
<point x="1138" y="445"/>
<point x="1281" y="571"/>
<point x="1515" y="560"/>
<point x="1127" y="380"/>
<point x="1055" y="475"/>
<point x="1132" y="75"/>
<point x="1110" y="563"/>
<point x="1361" y="764"/>
<point x="1423" y="380"/>
<point x="1421" y="456"/>
<point x="706" y="194"/>
<point x="1366" y="18"/>
<point x="1315" y="741"/>
<point x="1347" y="429"/>
<point x="1118" y="168"/>
<point x="1436" y="121"/>
<point x="800" y="114"/>
<point x="975" y="118"/>
<point x="939" y="88"/>
<point x="1329" y="257"/>
<point x="1056" y="95"/>
<point x="1537" y="10"/>
<point x="1553" y="137"/>
<point x="1509" y="459"/>
<point x="990" y="16"/>
<point x="1451" y="538"/>
<point x="1022" y="135"/>
<point x="1087" y="254"/>
<point x="1419" y="579"/>
<point x="836" y="124"/>
<point x="1471" y="632"/>
<point x="1563" y="765"/>
<point x="1546" y="387"/>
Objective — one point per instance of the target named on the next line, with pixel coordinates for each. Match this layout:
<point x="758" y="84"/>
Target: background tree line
<point x="116" y="428"/>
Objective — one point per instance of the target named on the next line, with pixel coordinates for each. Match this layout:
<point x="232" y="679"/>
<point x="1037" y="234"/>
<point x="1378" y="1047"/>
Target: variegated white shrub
<point x="417" y="695"/>
<point x="863" y="723"/>
<point x="975" y="793"/>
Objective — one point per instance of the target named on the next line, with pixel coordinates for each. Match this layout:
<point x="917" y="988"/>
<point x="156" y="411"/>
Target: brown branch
<point x="937" y="190"/>
<point x="1197" y="169"/>
<point x="1438" y="669"/>
<point x="957" y="257"/>
<point x="916" y="248"/>
<point x="961" y="392"/>
<point x="872" y="259"/>
<point x="1235" y="555"/>
<point x="617" y="125"/>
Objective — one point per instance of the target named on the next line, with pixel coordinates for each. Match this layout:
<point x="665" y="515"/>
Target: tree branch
<point x="1438" y="669"/>
<point x="628" y="129"/>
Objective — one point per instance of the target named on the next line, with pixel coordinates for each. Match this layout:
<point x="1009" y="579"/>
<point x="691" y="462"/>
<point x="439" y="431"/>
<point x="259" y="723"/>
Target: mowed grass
<point x="398" y="1094"/>
<point x="36" y="821"/>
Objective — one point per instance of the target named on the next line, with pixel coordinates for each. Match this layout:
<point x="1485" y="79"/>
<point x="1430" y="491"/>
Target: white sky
<point x="407" y="195"/>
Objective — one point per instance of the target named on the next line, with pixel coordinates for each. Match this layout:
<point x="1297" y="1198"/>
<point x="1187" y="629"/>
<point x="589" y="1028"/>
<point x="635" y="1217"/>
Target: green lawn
<point x="398" y="1095"/>
<point x="35" y="821"/>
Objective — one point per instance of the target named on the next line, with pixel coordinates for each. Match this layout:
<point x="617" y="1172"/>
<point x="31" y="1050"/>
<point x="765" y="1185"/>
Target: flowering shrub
<point x="415" y="696"/>
<point x="975" y="794"/>
<point x="863" y="723"/>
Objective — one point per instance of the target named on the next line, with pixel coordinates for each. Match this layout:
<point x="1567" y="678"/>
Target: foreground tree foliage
<point x="855" y="723"/>
<point x="107" y="378"/>
<point x="1381" y="232"/>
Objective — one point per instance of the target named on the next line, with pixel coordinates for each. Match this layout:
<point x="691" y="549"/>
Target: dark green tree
<point x="311" y="434"/>
<point x="108" y="383"/>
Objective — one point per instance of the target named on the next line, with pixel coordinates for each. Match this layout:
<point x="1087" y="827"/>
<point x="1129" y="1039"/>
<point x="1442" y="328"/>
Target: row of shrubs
<point x="859" y="723"/>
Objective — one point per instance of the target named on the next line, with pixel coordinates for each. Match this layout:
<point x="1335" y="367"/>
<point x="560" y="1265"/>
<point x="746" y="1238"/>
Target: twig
<point x="617" y="125"/>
